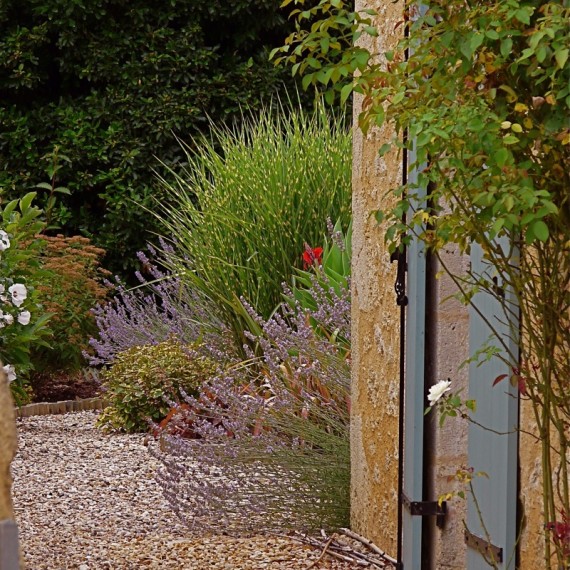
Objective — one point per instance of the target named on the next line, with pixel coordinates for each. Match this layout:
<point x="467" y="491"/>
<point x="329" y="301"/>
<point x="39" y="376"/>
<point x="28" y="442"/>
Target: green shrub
<point x="108" y="83"/>
<point x="22" y="317"/>
<point x="144" y="380"/>
<point x="242" y="215"/>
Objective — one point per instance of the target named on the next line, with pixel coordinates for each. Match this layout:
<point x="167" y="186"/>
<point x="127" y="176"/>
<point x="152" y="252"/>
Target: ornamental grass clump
<point x="145" y="381"/>
<point x="247" y="201"/>
<point x="266" y="444"/>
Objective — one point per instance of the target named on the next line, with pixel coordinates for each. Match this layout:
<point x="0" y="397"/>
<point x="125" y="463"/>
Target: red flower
<point x="312" y="256"/>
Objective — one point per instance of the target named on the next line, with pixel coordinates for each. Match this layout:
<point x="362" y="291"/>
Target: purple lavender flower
<point x="161" y="307"/>
<point x="270" y="436"/>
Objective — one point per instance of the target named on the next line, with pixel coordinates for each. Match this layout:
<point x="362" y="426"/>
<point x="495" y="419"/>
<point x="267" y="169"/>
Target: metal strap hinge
<point x="426" y="509"/>
<point x="400" y="285"/>
<point x="489" y="551"/>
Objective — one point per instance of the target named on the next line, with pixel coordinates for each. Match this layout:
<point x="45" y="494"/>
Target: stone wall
<point x="375" y="318"/>
<point x="448" y="323"/>
<point x="375" y="352"/>
<point x="8" y="446"/>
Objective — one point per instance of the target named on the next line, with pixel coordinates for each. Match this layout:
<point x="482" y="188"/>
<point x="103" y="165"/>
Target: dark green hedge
<point x="108" y="82"/>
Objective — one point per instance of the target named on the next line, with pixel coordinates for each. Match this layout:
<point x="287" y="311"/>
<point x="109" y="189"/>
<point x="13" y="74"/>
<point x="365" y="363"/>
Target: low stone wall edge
<point x="61" y="407"/>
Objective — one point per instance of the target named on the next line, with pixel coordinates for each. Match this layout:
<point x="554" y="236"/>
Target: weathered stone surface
<point x="375" y="318"/>
<point x="8" y="446"/>
<point x="448" y="343"/>
<point x="532" y="538"/>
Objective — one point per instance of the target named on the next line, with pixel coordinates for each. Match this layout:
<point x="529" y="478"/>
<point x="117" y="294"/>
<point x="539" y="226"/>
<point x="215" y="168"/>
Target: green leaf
<point x="506" y="47"/>
<point x="540" y="230"/>
<point x="501" y="157"/>
<point x="361" y="58"/>
<point x="306" y="81"/>
<point x="345" y="92"/>
<point x="561" y="57"/>
<point x="26" y="201"/>
<point x="510" y="139"/>
<point x="476" y="41"/>
<point x="523" y="15"/>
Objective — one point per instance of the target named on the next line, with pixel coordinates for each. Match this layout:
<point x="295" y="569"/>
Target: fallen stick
<point x="344" y="552"/>
<point x="314" y="563"/>
<point x="315" y="543"/>
<point x="369" y="544"/>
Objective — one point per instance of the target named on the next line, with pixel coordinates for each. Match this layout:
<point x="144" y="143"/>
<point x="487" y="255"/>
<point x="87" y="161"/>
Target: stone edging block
<point x="63" y="407"/>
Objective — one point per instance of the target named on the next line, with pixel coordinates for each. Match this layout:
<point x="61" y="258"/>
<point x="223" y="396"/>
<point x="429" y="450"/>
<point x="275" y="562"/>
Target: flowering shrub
<point x="482" y="90"/>
<point x="270" y="437"/>
<point x="70" y="287"/>
<point x="145" y="381"/>
<point x="326" y="275"/>
<point x="23" y="321"/>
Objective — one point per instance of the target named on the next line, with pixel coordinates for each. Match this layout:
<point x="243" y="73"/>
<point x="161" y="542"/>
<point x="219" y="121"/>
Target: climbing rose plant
<point x="482" y="92"/>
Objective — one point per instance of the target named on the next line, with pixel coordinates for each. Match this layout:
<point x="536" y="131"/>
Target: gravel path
<point x="88" y="500"/>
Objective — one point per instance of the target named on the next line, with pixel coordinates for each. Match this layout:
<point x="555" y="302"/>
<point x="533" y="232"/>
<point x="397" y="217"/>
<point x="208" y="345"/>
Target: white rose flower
<point x="438" y="390"/>
<point x="8" y="318"/>
<point x="10" y="372"/>
<point x="4" y="240"/>
<point x="24" y="317"/>
<point x="18" y="292"/>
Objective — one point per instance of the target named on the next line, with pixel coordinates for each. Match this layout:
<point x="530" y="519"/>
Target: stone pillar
<point x="375" y="319"/>
<point x="531" y="502"/>
<point x="8" y="445"/>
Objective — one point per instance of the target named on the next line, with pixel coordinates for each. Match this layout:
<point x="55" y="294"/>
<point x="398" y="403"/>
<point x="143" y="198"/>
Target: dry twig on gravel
<point x="348" y="547"/>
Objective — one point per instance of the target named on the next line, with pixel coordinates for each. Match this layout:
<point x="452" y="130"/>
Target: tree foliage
<point x="481" y="91"/>
<point x="105" y="84"/>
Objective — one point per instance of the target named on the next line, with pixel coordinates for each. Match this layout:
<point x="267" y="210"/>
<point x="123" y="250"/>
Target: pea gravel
<point x="87" y="500"/>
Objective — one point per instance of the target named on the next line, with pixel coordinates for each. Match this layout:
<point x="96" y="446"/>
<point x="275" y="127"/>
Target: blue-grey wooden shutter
<point x="414" y="392"/>
<point x="497" y="409"/>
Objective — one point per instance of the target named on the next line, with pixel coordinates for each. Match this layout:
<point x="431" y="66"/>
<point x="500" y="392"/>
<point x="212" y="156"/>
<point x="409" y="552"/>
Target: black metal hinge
<point x="426" y="509"/>
<point x="400" y="285"/>
<point x="484" y="547"/>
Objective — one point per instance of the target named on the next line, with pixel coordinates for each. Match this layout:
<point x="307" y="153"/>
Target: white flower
<point x="438" y="390"/>
<point x="18" y="292"/>
<point x="10" y="372"/>
<point x="24" y="317"/>
<point x="8" y="318"/>
<point x="3" y="297"/>
<point x="4" y="240"/>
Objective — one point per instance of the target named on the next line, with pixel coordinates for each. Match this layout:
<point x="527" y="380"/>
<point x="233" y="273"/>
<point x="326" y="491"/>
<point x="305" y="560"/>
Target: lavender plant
<point x="161" y="307"/>
<point x="267" y="442"/>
